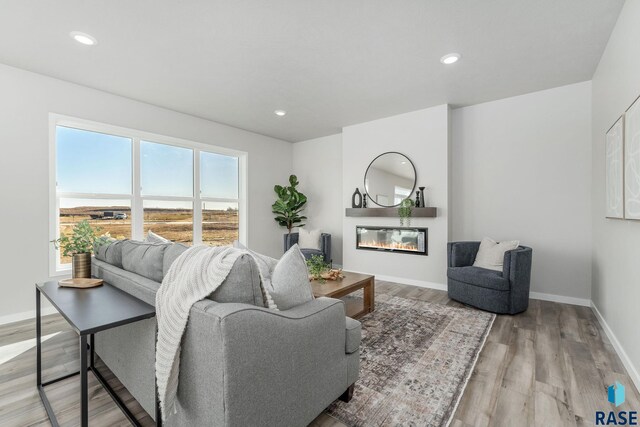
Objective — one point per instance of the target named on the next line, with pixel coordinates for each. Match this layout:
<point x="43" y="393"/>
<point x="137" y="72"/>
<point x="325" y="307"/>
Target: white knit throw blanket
<point x="196" y="273"/>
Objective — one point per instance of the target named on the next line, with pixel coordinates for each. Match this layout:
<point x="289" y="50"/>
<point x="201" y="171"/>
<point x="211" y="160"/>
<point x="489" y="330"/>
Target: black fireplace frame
<point x="400" y="251"/>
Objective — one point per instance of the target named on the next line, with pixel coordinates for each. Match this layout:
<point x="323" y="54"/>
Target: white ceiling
<point x="329" y="63"/>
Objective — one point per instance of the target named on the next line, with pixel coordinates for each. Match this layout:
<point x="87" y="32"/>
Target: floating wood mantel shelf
<point x="390" y="212"/>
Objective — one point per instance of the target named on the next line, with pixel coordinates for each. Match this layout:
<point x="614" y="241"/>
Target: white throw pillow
<point x="155" y="238"/>
<point x="309" y="239"/>
<point x="491" y="254"/>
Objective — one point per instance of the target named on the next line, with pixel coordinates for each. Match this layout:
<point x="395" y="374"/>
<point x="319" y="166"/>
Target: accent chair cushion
<point x="309" y="239"/>
<point x="478" y="276"/>
<point x="308" y="253"/>
<point x="143" y="258"/>
<point x="491" y="253"/>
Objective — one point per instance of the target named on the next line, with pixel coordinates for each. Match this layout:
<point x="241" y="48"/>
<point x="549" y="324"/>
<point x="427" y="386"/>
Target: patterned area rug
<point x="416" y="358"/>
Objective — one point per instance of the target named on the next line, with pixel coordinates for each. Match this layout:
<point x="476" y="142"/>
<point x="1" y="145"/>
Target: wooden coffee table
<point x="343" y="287"/>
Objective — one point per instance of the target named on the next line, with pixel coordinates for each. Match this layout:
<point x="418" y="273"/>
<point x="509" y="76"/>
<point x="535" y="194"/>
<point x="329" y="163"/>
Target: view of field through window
<point x="219" y="227"/>
<point x="165" y="171"/>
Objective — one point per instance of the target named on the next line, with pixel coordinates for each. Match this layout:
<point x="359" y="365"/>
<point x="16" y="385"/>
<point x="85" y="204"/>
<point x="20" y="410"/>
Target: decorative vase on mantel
<point x="356" y="199"/>
<point x="423" y="202"/>
<point x="81" y="266"/>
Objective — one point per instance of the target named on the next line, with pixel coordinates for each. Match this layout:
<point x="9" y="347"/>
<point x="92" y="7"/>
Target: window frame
<point x="136" y="199"/>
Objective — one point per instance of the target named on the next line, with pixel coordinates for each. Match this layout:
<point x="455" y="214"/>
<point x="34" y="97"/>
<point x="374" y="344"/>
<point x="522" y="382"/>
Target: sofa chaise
<point x="241" y="364"/>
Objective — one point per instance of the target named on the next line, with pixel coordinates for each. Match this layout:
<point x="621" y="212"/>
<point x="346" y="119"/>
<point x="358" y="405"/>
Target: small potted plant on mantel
<point x="289" y="205"/>
<point x="79" y="246"/>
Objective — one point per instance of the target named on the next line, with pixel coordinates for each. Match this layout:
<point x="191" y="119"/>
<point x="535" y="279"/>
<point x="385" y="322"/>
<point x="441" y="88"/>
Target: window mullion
<point x="197" y="204"/>
<point x="137" y="212"/>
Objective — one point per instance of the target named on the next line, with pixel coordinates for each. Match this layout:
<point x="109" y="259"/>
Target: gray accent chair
<point x="503" y="292"/>
<point x="241" y="363"/>
<point x="325" y="246"/>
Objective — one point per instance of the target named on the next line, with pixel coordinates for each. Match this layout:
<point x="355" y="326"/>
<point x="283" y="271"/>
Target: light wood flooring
<point x="549" y="366"/>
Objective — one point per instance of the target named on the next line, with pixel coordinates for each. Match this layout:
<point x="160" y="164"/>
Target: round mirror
<point x="389" y="179"/>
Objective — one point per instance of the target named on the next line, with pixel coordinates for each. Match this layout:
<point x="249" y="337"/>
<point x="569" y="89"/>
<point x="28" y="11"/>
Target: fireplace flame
<point x="383" y="245"/>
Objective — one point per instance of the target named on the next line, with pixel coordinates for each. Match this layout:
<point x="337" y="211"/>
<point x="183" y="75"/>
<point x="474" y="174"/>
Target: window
<point x="400" y="193"/>
<point x="127" y="183"/>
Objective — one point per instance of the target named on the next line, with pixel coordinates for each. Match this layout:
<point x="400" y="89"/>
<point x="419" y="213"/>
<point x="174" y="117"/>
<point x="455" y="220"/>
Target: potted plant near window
<point x="289" y="205"/>
<point x="79" y="246"/>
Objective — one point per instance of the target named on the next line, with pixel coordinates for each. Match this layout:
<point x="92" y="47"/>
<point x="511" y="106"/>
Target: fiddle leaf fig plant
<point x="82" y="241"/>
<point x="289" y="205"/>
<point x="404" y="211"/>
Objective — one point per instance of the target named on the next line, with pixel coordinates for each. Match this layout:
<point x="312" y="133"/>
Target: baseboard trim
<point x="412" y="282"/>
<point x="560" y="298"/>
<point x="626" y="361"/>
<point x="25" y="315"/>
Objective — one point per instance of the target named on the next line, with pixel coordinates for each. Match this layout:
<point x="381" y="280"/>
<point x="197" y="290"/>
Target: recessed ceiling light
<point x="450" y="58"/>
<point x="83" y="38"/>
<point x="280" y="113"/>
<point x="403" y="163"/>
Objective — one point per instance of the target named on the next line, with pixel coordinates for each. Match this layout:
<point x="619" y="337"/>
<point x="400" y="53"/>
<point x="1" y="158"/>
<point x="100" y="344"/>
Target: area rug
<point x="416" y="359"/>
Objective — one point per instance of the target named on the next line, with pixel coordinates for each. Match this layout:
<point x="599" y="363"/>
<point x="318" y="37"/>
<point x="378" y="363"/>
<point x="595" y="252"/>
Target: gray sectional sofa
<point x="241" y="364"/>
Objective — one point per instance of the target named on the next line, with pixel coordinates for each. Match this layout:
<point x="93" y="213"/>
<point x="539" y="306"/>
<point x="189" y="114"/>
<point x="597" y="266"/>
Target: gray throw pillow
<point x="265" y="264"/>
<point x="289" y="285"/>
<point x="145" y="259"/>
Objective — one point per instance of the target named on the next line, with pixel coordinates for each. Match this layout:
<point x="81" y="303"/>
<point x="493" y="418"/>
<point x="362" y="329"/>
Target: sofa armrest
<point x="242" y="363"/>
<point x="462" y="254"/>
<point x="517" y="266"/>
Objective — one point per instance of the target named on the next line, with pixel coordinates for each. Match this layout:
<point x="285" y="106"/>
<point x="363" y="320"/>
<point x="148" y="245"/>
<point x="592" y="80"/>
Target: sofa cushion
<point x="132" y="283"/>
<point x="479" y="276"/>
<point x="110" y="252"/>
<point x="241" y="285"/>
<point x="171" y="254"/>
<point x="353" y="336"/>
<point x="143" y="258"/>
<point x="265" y="265"/>
<point x="289" y="284"/>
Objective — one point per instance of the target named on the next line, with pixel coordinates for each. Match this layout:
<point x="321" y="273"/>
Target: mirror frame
<point x="415" y="179"/>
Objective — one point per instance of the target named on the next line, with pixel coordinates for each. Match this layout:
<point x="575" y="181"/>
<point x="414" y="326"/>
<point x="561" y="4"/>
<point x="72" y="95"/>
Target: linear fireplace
<point x="405" y="240"/>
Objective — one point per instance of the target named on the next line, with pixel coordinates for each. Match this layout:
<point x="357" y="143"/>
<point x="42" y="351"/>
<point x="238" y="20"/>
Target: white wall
<point x="318" y="165"/>
<point x="521" y="170"/>
<point x="26" y="99"/>
<point x="423" y="136"/>
<point x="616" y="243"/>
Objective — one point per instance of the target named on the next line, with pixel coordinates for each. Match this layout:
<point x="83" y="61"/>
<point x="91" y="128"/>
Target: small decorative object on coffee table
<point x="350" y="283"/>
<point x="88" y="312"/>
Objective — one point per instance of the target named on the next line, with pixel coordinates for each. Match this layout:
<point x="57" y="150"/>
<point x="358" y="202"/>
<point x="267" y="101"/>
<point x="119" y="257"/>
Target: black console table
<point x="89" y="311"/>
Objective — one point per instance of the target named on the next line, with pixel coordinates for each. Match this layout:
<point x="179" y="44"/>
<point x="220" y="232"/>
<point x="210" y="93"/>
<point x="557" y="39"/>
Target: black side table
<point x="89" y="311"/>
